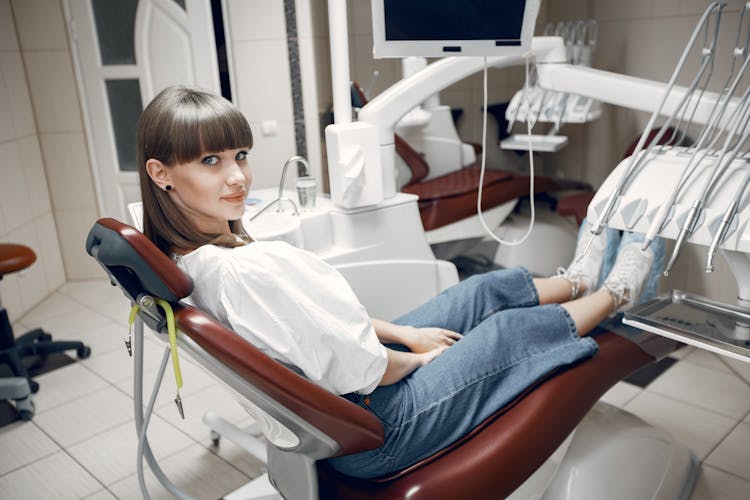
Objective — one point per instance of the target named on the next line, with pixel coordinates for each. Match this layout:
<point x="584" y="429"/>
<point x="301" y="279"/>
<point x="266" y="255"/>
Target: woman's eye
<point x="210" y="160"/>
<point x="241" y="156"/>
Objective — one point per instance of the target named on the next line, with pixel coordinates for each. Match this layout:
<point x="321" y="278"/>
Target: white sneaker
<point x="584" y="271"/>
<point x="625" y="281"/>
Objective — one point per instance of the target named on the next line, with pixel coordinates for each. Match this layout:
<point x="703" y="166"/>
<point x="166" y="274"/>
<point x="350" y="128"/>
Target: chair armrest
<point x="352" y="427"/>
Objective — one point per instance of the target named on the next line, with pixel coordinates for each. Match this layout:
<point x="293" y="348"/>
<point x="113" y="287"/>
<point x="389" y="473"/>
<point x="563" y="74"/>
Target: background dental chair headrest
<point x="135" y="262"/>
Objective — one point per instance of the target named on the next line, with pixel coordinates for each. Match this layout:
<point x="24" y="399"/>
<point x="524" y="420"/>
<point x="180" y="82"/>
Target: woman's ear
<point x="158" y="173"/>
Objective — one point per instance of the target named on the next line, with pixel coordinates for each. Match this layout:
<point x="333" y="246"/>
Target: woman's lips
<point x="235" y="198"/>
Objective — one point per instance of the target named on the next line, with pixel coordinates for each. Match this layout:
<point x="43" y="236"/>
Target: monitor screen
<point x="448" y="27"/>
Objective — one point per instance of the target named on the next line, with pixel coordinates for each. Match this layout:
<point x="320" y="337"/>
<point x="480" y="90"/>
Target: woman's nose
<point x="236" y="176"/>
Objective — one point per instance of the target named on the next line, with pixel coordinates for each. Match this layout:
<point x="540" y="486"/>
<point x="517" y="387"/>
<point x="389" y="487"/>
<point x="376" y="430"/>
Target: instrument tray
<point x="695" y="320"/>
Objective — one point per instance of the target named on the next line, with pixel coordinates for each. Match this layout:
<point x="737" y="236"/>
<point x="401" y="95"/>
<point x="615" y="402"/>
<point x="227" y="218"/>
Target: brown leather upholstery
<point x="15" y="258"/>
<point x="166" y="270"/>
<point x="499" y="455"/>
<point x="349" y="425"/>
<point x="453" y="196"/>
<point x="417" y="165"/>
<point x="575" y="205"/>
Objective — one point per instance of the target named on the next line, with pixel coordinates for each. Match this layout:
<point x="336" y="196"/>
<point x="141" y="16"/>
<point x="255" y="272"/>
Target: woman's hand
<point x="424" y="340"/>
<point x="400" y="364"/>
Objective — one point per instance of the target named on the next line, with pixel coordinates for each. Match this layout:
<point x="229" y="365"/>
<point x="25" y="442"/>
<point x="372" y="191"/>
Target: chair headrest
<point x="135" y="262"/>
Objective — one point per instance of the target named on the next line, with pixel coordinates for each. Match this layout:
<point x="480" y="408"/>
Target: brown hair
<point x="178" y="126"/>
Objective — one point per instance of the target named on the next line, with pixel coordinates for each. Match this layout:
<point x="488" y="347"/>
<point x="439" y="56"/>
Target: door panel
<point x="173" y="43"/>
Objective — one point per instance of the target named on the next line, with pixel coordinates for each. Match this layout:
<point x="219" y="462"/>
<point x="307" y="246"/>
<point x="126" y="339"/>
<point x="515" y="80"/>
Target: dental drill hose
<point x="726" y="222"/>
<point x="141" y="419"/>
<point x="605" y="215"/>
<point x="722" y="166"/>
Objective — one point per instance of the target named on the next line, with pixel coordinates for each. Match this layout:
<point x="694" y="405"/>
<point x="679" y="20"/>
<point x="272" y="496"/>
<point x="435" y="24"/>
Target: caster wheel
<point x="34" y="386"/>
<point x="83" y="352"/>
<point x="25" y="408"/>
<point x="215" y="438"/>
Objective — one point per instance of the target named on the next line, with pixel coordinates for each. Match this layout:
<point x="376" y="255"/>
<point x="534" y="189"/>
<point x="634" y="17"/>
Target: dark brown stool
<point x="37" y="342"/>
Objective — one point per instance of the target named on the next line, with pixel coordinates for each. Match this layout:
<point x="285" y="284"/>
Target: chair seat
<point x="496" y="457"/>
<point x="453" y="196"/>
<point x="576" y="205"/>
<point x="15" y="258"/>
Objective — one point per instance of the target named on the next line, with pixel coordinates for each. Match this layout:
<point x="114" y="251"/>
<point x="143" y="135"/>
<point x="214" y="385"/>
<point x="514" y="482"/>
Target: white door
<point x="125" y="52"/>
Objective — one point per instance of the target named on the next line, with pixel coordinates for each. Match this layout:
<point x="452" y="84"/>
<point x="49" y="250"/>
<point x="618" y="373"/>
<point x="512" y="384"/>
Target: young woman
<point x="432" y="375"/>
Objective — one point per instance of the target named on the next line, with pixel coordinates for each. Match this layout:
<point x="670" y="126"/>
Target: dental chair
<point x="304" y="424"/>
<point x="15" y="258"/>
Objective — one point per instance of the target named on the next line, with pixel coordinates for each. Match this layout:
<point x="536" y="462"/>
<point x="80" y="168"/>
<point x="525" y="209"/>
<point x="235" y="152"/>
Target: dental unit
<point x="553" y="442"/>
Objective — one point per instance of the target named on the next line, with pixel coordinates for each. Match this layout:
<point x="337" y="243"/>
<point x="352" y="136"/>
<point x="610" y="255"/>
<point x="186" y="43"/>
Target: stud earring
<point x="168" y="187"/>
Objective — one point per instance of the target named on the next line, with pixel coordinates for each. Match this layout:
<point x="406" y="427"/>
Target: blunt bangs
<point x="203" y="123"/>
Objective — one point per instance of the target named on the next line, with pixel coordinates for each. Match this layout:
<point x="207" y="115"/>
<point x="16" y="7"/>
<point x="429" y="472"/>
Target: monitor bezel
<point x="383" y="48"/>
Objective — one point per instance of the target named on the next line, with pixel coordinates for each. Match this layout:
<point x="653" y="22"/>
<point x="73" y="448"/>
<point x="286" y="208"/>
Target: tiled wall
<point x="26" y="214"/>
<point x="51" y="78"/>
<point x="263" y="88"/>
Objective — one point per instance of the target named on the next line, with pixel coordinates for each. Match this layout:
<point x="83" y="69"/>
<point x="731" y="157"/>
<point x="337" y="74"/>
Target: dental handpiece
<point x="726" y="222"/>
<point x="685" y="231"/>
<point x="721" y="168"/>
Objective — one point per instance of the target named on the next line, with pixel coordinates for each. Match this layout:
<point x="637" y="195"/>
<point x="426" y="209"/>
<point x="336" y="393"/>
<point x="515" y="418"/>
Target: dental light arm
<point x="385" y="110"/>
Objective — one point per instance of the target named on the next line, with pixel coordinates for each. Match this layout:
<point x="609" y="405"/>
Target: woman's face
<point x="211" y="190"/>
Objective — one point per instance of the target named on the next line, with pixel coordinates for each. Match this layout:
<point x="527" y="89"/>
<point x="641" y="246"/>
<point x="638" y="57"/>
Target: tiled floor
<point x="81" y="443"/>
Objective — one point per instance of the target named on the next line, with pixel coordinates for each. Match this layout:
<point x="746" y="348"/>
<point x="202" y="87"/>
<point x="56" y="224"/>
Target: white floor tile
<point x="116" y="310"/>
<point x="87" y="416"/>
<point x="621" y="394"/>
<point x="706" y="359"/>
<point x="56" y="304"/>
<point x="69" y="325"/>
<point x="22" y="443"/>
<point x="716" y="391"/>
<point x="714" y="484"/>
<point x="194" y="379"/>
<point x="116" y="365"/>
<point x="111" y="455"/>
<point x="733" y="454"/>
<point x="104" y="338"/>
<point x="57" y="476"/>
<point x="697" y="428"/>
<point x="64" y="385"/>
<point x="198" y="472"/>
<point x="102" y="495"/>
<point x="92" y="293"/>
<point x="682" y="352"/>
<point x="216" y="399"/>
<point x="742" y="368"/>
<point x="239" y="458"/>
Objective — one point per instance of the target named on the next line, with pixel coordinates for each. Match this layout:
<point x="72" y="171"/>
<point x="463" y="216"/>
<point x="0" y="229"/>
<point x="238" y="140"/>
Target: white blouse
<point x="294" y="307"/>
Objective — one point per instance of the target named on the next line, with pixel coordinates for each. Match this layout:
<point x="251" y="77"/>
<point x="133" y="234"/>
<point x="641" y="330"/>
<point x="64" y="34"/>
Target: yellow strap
<point x="172" y="336"/>
<point x="172" y="340"/>
<point x="131" y="319"/>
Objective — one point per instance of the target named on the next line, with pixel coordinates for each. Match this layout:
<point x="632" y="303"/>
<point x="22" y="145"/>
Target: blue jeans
<point x="614" y="241"/>
<point x="509" y="342"/>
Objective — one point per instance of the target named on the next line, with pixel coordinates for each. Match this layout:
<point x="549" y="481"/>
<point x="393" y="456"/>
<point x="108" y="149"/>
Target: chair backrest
<point x="324" y="423"/>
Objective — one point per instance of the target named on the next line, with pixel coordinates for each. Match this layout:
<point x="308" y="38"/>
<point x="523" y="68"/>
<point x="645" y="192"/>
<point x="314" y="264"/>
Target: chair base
<point x="36" y="342"/>
<point x="615" y="455"/>
<point x="17" y="389"/>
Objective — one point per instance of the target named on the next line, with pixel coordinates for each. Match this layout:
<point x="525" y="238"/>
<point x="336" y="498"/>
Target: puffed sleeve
<point x="301" y="311"/>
